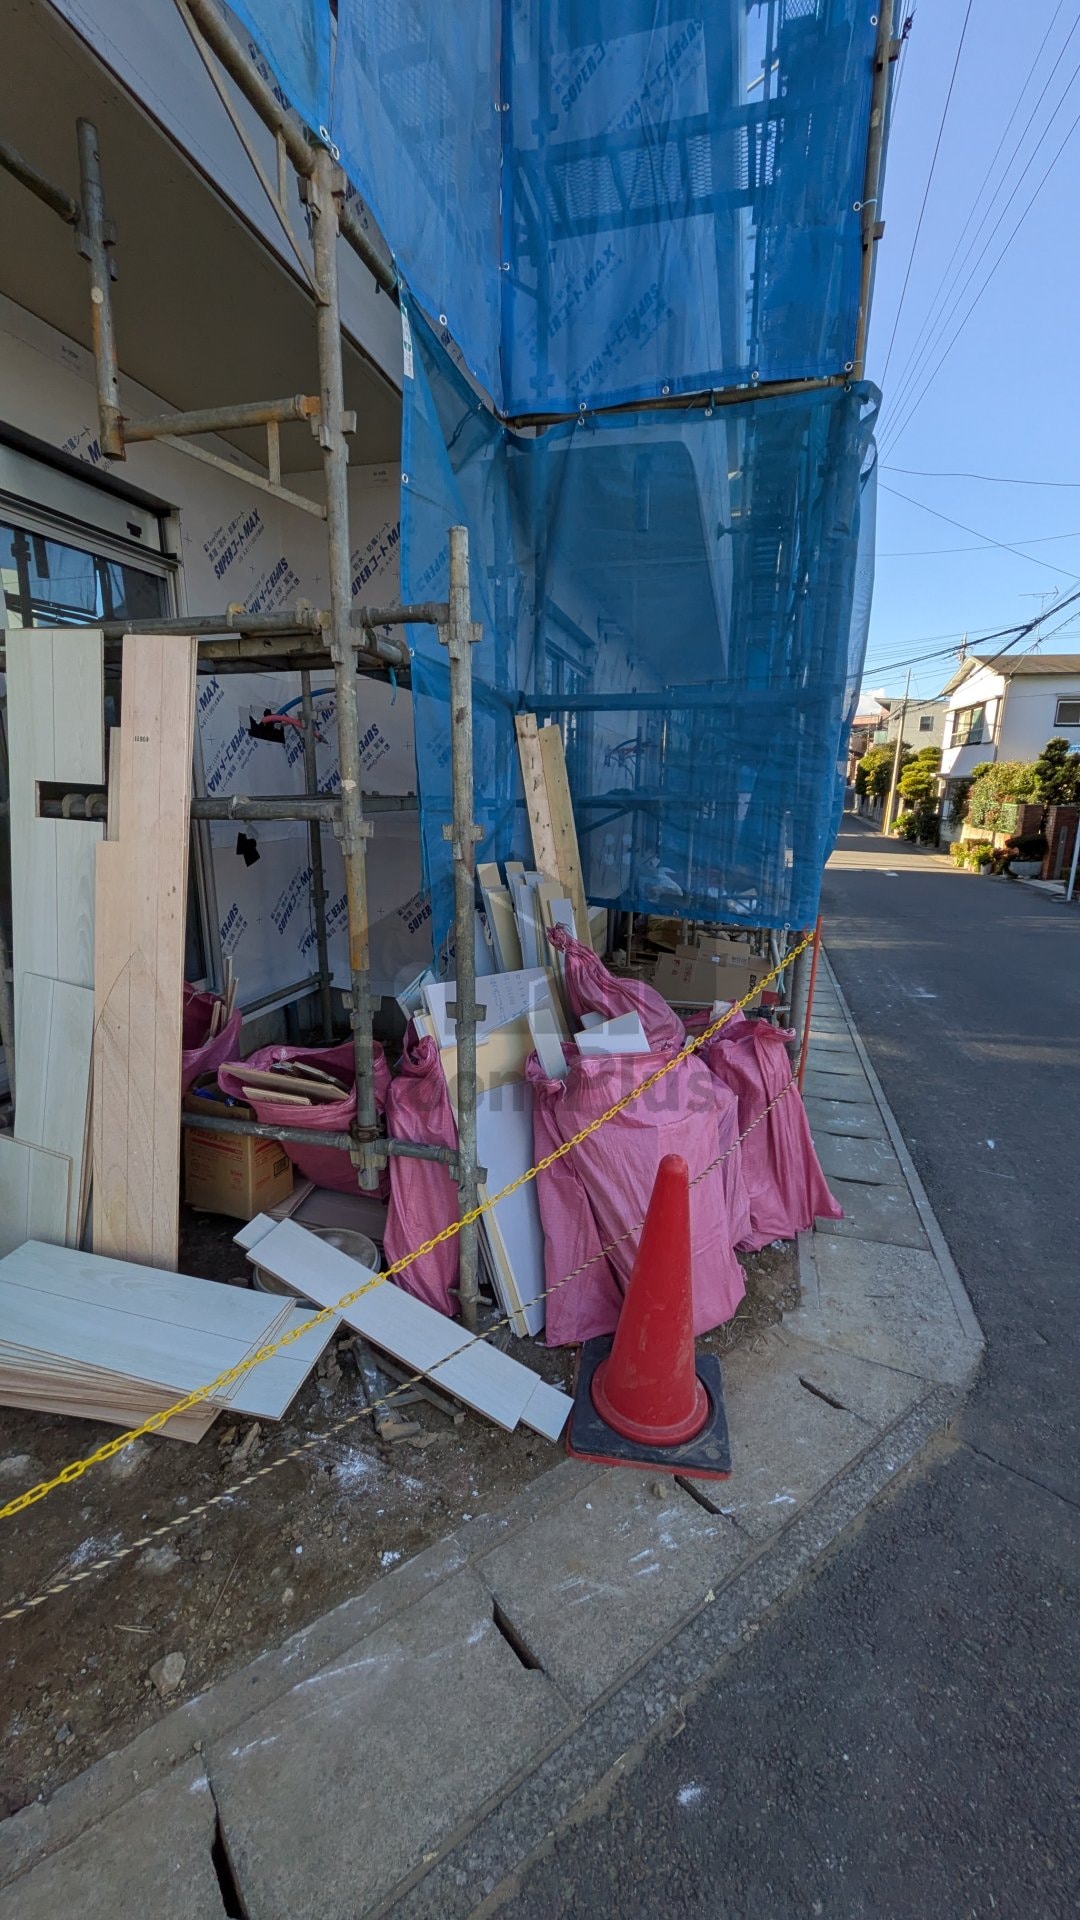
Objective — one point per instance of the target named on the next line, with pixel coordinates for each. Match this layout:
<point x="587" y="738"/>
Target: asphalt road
<point x="900" y="1739"/>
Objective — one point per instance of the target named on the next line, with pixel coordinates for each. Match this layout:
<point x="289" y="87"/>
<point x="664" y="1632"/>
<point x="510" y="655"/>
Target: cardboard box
<point x="232" y="1173"/>
<point x="698" y="980"/>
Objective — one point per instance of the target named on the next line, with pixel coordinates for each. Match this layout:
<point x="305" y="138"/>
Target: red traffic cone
<point x="647" y="1389"/>
<point x="643" y="1397"/>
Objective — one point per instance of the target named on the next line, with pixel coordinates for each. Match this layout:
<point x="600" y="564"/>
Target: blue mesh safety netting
<point x="686" y="594"/>
<point x="600" y="204"/>
<point x="604" y="200"/>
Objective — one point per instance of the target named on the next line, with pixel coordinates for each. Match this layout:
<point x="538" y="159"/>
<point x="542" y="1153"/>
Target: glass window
<point x="968" y="727"/>
<point x="1068" y="713"/>
<point x="47" y="583"/>
<point x="926" y="723"/>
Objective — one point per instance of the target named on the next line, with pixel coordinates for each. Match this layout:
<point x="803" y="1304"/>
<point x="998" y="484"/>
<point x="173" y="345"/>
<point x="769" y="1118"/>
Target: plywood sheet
<point x="138" y="959"/>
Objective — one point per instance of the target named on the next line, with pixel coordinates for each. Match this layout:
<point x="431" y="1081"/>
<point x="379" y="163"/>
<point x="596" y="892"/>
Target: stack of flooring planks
<point x="141" y="903"/>
<point x="105" y="1340"/>
<point x="55" y="726"/>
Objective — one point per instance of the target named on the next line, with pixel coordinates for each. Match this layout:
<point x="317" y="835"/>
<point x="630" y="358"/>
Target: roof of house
<point x="1010" y="665"/>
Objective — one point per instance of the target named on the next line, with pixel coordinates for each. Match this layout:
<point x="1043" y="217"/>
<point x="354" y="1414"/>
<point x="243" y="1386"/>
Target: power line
<point x="926" y="190"/>
<point x="913" y="409"/>
<point x="979" y="535"/>
<point x="918" y="553"/>
<point x="909" y="373"/>
<point x="998" y="479"/>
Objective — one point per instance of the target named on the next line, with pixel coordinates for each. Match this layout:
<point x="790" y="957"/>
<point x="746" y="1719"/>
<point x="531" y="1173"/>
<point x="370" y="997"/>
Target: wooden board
<point x="55" y="730"/>
<point x="568" y="868"/>
<point x="534" y="781"/>
<point x="504" y="929"/>
<point x="139" y="959"/>
<point x="54" y="1082"/>
<point x="284" y="1083"/>
<point x="486" y="1379"/>
<point x="35" y="1187"/>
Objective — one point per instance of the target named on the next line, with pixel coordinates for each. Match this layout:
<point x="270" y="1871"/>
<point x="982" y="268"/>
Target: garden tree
<point x="918" y="781"/>
<point x="1057" y="774"/>
<point x="874" y="771"/>
<point x="997" y="785"/>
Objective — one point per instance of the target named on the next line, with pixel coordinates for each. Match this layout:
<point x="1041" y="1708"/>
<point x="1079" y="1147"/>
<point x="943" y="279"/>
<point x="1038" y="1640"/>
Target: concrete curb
<point x="938" y="1242"/>
<point x="478" y="1873"/>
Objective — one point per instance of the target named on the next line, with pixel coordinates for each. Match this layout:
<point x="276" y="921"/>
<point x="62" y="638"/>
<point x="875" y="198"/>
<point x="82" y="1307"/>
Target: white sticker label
<point x="406" y="344"/>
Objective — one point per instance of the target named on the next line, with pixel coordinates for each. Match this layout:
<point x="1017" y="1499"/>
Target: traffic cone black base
<point x="707" y="1455"/>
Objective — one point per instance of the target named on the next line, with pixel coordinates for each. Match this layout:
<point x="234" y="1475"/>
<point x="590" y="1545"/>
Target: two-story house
<point x="1001" y="708"/>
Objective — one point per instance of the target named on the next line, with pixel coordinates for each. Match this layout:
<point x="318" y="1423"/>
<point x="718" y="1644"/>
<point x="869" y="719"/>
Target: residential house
<point x="922" y="721"/>
<point x="1000" y="708"/>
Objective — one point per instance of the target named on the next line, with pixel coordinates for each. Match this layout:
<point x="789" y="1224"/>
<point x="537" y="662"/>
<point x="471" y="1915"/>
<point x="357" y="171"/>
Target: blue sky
<point x="1006" y="401"/>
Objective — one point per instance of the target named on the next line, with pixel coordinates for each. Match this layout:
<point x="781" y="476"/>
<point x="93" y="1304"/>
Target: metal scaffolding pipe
<point x="28" y="176"/>
<point x="458" y="635"/>
<point x="318" y="882"/>
<point x="885" y="50"/>
<point x="94" y="241"/>
<point x="323" y="807"/>
<point x="343" y="1142"/>
<point x="380" y="269"/>
<point x="255" y="89"/>
<point x="249" y="413"/>
<point x="425" y="613"/>
<point x="326" y="187"/>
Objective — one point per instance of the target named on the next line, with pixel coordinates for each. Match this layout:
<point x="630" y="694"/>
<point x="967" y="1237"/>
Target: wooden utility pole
<point x="886" y="818"/>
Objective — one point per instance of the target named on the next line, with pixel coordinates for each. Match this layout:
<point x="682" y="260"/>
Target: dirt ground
<point x="243" y="1577"/>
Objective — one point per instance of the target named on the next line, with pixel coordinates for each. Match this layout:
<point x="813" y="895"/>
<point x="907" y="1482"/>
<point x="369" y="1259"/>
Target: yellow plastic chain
<point x="155" y="1421"/>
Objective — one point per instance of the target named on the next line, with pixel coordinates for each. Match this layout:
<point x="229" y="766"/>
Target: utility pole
<point x="887" y="815"/>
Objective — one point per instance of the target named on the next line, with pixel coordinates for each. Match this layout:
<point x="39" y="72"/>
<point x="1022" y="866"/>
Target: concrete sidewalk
<point x="408" y="1751"/>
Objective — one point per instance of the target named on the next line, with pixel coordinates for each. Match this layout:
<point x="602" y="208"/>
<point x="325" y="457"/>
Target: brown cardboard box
<point x="232" y="1173"/>
<point x="696" y="981"/>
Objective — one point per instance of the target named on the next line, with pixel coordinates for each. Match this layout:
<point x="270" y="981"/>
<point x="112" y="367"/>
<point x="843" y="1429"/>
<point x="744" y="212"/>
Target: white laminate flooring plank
<point x="54" y="1084"/>
<point x="178" y="1300"/>
<point x="267" y="1390"/>
<point x="548" y="1410"/>
<point x="622" y="1036"/>
<point x="479" y="1374"/>
<point x="34" y="1190"/>
<point x="504" y="1145"/>
<point x="54" y="729"/>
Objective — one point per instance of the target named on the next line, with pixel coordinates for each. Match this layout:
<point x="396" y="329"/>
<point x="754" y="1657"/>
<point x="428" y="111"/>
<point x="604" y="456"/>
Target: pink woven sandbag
<point x="616" y="1168"/>
<point x="787" y="1188"/>
<point x="327" y="1166"/>
<point x="201" y="1054"/>
<point x="423" y="1197"/>
<point x="590" y="988"/>
<point x="589" y="1304"/>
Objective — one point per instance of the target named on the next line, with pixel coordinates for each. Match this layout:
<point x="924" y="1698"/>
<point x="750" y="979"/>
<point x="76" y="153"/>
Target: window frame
<point x="1067" y="700"/>
<point x="963" y="713"/>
